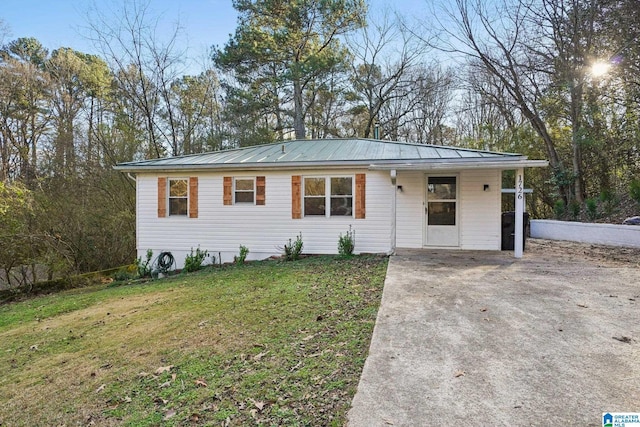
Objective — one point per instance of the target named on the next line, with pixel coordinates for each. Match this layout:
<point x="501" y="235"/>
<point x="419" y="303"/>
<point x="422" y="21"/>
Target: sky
<point x="62" y="23"/>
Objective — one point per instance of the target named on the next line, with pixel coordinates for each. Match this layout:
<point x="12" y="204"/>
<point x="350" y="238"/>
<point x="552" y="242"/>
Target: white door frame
<point x="441" y="235"/>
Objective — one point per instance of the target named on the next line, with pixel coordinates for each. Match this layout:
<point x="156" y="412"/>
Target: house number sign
<point x="520" y="189"/>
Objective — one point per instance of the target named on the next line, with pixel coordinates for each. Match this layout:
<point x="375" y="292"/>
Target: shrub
<point x="347" y="242"/>
<point x="144" y="267"/>
<point x="634" y="190"/>
<point x="574" y="209"/>
<point x="559" y="209"/>
<point x="293" y="250"/>
<point x="609" y="199"/>
<point x="244" y="251"/>
<point x="194" y="261"/>
<point x="592" y="208"/>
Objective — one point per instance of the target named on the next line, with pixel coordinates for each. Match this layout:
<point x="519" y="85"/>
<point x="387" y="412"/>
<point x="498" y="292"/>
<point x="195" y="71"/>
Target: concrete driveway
<point x="479" y="338"/>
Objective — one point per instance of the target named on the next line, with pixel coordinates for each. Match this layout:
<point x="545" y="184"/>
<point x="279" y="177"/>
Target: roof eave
<point x="440" y="164"/>
<point x="459" y="165"/>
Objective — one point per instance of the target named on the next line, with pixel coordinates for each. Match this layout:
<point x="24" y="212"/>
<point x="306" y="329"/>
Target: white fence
<point x="602" y="234"/>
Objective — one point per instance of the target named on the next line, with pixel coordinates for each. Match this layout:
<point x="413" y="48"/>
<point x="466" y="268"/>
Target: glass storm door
<point x="442" y="211"/>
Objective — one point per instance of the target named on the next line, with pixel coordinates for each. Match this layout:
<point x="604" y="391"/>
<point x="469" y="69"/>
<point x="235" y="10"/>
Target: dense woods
<point x="515" y="76"/>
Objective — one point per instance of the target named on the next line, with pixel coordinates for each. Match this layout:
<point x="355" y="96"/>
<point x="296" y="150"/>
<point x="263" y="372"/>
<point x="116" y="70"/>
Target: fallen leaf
<point x="203" y="323"/>
<point x="173" y="377"/>
<point x="194" y="418"/>
<point x="582" y="306"/>
<point x="127" y="399"/>
<point x="459" y="373"/>
<point x="258" y="404"/>
<point x="165" y="384"/>
<point x="163" y="369"/>
<point x="201" y="383"/>
<point x="101" y="388"/>
<point x="483" y="310"/>
<point x="143" y="374"/>
<point x="623" y="339"/>
<point x="260" y="355"/>
<point x="169" y="414"/>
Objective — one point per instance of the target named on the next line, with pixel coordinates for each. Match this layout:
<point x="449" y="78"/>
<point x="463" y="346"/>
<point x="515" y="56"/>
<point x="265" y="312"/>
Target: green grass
<point x="267" y="343"/>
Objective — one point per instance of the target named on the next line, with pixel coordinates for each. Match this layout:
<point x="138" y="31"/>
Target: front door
<point x="442" y="211"/>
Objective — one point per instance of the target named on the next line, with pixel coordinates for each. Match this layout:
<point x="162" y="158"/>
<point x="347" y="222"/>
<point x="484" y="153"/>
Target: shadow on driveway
<point x="479" y="338"/>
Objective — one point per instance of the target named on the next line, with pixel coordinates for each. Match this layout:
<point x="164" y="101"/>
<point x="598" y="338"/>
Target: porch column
<point x="518" y="238"/>
<point x="393" y="211"/>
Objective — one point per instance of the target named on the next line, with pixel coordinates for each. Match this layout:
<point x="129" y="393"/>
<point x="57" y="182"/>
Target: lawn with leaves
<point x="267" y="343"/>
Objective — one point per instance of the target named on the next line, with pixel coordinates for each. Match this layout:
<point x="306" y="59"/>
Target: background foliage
<point x="510" y="75"/>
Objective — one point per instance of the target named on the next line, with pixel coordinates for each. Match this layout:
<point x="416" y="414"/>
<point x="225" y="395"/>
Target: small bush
<point x="143" y="267"/>
<point x="293" y="250"/>
<point x="634" y="190"/>
<point x="347" y="242"/>
<point x="559" y="209"/>
<point x="574" y="209"/>
<point x="592" y="209"/>
<point x="122" y="276"/>
<point x="194" y="261"/>
<point x="242" y="256"/>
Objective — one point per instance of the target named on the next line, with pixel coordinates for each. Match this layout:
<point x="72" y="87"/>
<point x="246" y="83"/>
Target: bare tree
<point x="145" y="62"/>
<point x="502" y="42"/>
<point x="386" y="53"/>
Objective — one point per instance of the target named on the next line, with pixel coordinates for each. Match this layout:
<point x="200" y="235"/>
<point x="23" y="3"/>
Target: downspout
<point x="393" y="212"/>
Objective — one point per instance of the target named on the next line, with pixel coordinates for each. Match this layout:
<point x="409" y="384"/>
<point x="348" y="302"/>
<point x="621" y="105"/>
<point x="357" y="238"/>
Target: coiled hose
<point x="165" y="261"/>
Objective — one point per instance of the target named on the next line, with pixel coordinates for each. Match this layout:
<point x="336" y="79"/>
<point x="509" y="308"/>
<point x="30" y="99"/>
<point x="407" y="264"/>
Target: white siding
<point x="410" y="209"/>
<point x="479" y="210"/>
<point x="263" y="229"/>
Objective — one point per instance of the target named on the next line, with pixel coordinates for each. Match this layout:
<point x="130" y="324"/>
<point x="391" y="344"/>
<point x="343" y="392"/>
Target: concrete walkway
<point x="479" y="339"/>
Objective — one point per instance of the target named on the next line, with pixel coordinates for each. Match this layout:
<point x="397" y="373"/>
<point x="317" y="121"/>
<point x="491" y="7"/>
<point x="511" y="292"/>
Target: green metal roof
<point x="329" y="152"/>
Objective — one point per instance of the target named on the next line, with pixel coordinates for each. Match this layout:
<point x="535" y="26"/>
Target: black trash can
<point x="509" y="229"/>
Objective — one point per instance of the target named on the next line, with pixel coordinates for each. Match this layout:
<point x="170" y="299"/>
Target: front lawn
<point x="267" y="343"/>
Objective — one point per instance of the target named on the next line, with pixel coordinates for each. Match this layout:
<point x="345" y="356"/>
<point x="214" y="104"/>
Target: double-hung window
<point x="244" y="190"/>
<point x="328" y="196"/>
<point x="178" y="197"/>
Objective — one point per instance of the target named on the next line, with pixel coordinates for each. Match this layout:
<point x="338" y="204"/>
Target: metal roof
<point x="373" y="153"/>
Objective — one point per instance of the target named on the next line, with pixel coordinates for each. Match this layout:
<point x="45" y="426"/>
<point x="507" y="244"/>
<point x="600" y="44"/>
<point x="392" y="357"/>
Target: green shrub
<point x="574" y="209"/>
<point x="293" y="250"/>
<point x="634" y="190"/>
<point x="347" y="242"/>
<point x="143" y="267"/>
<point x="194" y="261"/>
<point x="592" y="208"/>
<point x="242" y="256"/>
<point x="559" y="209"/>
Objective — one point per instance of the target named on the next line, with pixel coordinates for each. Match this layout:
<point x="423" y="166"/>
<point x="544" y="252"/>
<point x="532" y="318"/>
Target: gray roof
<point x="372" y="153"/>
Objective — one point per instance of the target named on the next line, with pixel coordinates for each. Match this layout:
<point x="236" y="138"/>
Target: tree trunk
<point x="298" y="119"/>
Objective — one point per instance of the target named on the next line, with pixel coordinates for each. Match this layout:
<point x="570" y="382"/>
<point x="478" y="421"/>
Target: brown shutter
<point x="162" y="197"/>
<point x="193" y="197"/>
<point x="360" y="195"/>
<point x="260" y="190"/>
<point x="296" y="197"/>
<point x="227" y="190"/>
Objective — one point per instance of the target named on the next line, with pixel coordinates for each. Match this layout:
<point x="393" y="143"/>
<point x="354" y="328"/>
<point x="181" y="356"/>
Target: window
<point x="244" y="190"/>
<point x="335" y="192"/>
<point x="178" y="197"/>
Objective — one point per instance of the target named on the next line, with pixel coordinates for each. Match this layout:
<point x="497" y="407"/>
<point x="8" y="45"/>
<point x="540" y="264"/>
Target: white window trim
<point x="233" y="189"/>
<point x="327" y="196"/>
<point x="169" y="179"/>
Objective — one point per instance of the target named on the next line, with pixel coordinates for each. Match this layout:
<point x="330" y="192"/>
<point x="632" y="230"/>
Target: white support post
<point x="518" y="238"/>
<point x="394" y="190"/>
